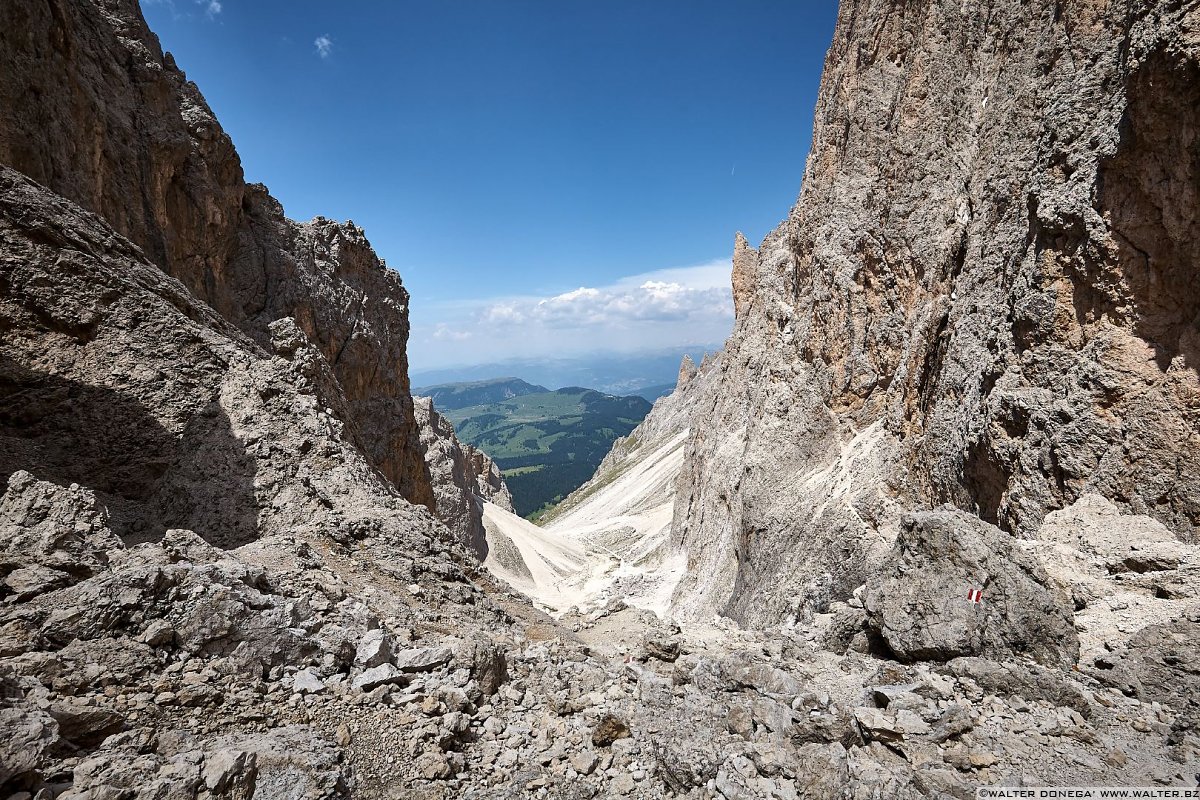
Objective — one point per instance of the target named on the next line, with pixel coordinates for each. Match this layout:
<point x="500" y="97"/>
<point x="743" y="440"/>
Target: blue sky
<point x="547" y="177"/>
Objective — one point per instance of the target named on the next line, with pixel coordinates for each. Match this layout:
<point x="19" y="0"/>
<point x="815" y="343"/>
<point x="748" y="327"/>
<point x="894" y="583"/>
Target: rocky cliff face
<point x="463" y="478"/>
<point x="209" y="588"/>
<point x="142" y="439"/>
<point x="96" y="112"/>
<point x="983" y="297"/>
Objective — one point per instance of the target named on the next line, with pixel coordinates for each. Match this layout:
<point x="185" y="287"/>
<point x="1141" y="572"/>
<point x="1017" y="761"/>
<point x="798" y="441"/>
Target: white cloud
<point x="664" y="308"/>
<point x="501" y="313"/>
<point x="445" y="333"/>
<point x="712" y="275"/>
<point x="324" y="45"/>
<point x="665" y="295"/>
<point x="211" y="7"/>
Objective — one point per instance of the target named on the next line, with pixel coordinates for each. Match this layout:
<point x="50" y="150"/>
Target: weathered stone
<point x="584" y="762"/>
<point x="423" y="659"/>
<point x="291" y="761"/>
<point x="664" y="648"/>
<point x="886" y="696"/>
<point x="918" y="604"/>
<point x="373" y="678"/>
<point x="374" y="649"/>
<point x="230" y="773"/>
<point x="487" y="662"/>
<point x="433" y="765"/>
<point x="197" y="695"/>
<point x="85" y="726"/>
<point x="1160" y="664"/>
<point x="25" y="583"/>
<point x="27" y="735"/>
<point x="608" y="730"/>
<point x="158" y="634"/>
<point x="307" y="682"/>
<point x="60" y="534"/>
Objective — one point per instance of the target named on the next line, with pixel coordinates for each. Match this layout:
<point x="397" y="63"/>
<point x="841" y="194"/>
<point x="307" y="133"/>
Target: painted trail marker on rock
<point x="975" y="596"/>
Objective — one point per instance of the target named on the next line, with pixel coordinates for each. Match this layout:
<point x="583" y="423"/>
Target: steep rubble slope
<point x="96" y="112"/>
<point x="985" y="296"/>
<point x="141" y="436"/>
<point x="606" y="541"/>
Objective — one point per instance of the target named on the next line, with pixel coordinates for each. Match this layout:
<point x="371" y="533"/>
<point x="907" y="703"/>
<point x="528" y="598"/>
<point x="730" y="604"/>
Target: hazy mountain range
<point x="649" y="373"/>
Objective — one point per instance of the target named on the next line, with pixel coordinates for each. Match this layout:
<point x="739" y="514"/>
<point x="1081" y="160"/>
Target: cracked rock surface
<point x="983" y="297"/>
<point x="966" y="360"/>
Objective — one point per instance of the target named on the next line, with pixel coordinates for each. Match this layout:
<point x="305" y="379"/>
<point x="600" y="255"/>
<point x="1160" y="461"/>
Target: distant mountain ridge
<point x="449" y="396"/>
<point x="652" y="393"/>
<point x="614" y="373"/>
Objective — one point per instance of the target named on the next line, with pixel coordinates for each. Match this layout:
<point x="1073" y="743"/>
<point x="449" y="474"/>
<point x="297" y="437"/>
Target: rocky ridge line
<point x="99" y="114"/>
<point x="463" y="478"/>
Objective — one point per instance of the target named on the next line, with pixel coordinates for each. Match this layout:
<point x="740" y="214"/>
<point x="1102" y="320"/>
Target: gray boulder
<point x="1160" y="663"/>
<point x="374" y="649"/>
<point x="27" y="734"/>
<point x="375" y="677"/>
<point x="487" y="662"/>
<point x="917" y="606"/>
<point x="307" y="682"/>
<point x="50" y="535"/>
<point x="423" y="659"/>
<point x="84" y="725"/>
<point x="25" y="583"/>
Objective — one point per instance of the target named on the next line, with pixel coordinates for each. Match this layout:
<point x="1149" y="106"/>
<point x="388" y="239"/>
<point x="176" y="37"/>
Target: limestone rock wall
<point x="94" y="110"/>
<point x="985" y="295"/>
<point x="114" y="379"/>
<point x="463" y="478"/>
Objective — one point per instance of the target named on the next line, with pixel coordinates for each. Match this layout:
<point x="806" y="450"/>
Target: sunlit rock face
<point x="95" y="111"/>
<point x="984" y="296"/>
<point x="463" y="478"/>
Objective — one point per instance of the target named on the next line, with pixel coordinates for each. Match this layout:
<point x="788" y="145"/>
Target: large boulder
<point x="50" y="536"/>
<point x="27" y="735"/>
<point x="919" y="608"/>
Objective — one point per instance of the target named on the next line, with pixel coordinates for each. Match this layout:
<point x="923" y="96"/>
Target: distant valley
<point x="547" y="443"/>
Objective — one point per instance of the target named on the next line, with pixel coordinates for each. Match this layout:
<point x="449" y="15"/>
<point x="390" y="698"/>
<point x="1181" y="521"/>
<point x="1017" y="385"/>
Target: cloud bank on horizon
<point x="651" y="310"/>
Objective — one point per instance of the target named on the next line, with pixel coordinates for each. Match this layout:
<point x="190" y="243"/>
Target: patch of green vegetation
<point x="513" y="472"/>
<point x="548" y="444"/>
